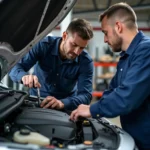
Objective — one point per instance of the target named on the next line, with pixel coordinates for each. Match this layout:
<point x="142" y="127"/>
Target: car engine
<point x="23" y="121"/>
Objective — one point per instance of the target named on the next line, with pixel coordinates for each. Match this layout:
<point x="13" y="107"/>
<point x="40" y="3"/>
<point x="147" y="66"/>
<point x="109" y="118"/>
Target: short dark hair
<point x="82" y="27"/>
<point x="123" y="11"/>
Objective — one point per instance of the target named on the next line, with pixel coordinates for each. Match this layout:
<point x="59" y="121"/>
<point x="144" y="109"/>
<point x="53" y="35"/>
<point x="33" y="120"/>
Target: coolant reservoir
<point x="25" y="136"/>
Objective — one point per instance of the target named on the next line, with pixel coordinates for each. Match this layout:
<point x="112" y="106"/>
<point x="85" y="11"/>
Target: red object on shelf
<point x="97" y="94"/>
<point x="105" y="64"/>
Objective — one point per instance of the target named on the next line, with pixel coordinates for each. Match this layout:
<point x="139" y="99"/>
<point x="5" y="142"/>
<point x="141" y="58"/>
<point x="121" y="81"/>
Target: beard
<point x="117" y="42"/>
<point x="66" y="54"/>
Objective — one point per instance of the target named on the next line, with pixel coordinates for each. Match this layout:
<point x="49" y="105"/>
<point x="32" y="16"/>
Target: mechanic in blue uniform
<point x="128" y="95"/>
<point x="62" y="68"/>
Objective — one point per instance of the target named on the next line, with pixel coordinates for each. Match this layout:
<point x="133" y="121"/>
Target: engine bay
<point x="23" y="121"/>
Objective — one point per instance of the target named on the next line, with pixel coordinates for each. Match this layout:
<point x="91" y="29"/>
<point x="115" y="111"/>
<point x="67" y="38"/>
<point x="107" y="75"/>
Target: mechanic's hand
<point x="31" y="81"/>
<point x="52" y="102"/>
<point x="81" y="111"/>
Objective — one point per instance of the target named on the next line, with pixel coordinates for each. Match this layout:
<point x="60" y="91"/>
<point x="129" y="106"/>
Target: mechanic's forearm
<point x="71" y="103"/>
<point x="113" y="105"/>
<point x="16" y="74"/>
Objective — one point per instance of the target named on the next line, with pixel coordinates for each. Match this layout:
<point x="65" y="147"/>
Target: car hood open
<point x="23" y="23"/>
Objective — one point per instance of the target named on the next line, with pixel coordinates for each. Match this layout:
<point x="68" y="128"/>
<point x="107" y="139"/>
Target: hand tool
<point x="38" y="95"/>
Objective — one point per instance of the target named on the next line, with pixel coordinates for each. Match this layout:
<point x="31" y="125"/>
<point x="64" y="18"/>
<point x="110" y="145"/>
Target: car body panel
<point x="23" y="23"/>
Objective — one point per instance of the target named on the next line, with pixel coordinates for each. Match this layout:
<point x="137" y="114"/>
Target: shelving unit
<point x="97" y="93"/>
<point x="101" y="64"/>
<point x="105" y="64"/>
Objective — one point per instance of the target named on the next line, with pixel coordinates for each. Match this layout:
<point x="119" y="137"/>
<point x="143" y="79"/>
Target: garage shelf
<point x="101" y="64"/>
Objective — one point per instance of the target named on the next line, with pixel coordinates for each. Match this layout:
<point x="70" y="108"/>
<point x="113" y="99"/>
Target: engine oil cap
<point x="24" y="132"/>
<point x="88" y="142"/>
<point x="86" y="122"/>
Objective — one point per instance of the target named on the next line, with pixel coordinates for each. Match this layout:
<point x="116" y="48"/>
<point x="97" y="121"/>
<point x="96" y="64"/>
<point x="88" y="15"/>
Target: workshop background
<point x="105" y="60"/>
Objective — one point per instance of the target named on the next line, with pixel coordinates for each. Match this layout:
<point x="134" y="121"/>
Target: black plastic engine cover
<point x="51" y="123"/>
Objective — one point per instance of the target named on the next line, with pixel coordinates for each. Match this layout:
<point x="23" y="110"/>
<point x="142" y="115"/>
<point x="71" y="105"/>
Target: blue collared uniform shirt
<point x="129" y="92"/>
<point x="69" y="81"/>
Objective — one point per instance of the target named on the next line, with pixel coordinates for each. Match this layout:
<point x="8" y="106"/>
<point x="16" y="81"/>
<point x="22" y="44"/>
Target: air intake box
<point x="50" y="123"/>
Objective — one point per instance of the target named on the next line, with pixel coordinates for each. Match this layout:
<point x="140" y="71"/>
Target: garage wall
<point x="97" y="45"/>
